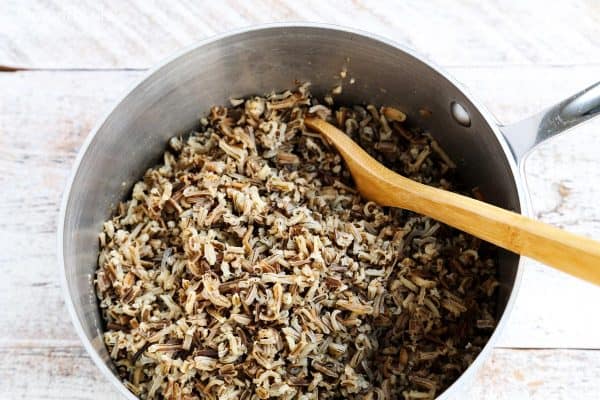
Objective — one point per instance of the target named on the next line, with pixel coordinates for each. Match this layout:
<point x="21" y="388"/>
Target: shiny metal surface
<point x="257" y="60"/>
<point x="526" y="134"/>
<point x="460" y="115"/>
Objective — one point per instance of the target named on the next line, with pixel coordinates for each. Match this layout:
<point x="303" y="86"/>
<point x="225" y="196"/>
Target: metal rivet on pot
<point x="460" y="114"/>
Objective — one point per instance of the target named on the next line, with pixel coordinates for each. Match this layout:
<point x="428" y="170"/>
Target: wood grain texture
<point x="538" y="374"/>
<point x="137" y="34"/>
<point x="517" y="57"/>
<point x="576" y="255"/>
<point x="67" y="373"/>
<point x="41" y="132"/>
<point x="41" y="129"/>
<point x="562" y="175"/>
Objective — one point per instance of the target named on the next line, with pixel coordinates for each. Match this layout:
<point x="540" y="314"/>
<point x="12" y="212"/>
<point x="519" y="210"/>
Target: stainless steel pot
<point x="254" y="61"/>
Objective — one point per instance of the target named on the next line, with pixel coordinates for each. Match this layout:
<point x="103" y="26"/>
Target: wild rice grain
<point x="247" y="267"/>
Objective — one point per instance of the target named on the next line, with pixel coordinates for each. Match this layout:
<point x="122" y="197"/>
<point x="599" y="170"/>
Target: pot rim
<point x="489" y="118"/>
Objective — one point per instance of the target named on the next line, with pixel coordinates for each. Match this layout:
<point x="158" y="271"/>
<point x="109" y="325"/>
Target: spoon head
<point x="374" y="181"/>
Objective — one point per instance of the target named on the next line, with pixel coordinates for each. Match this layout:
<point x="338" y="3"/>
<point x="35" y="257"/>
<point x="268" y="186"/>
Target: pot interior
<point x="171" y="100"/>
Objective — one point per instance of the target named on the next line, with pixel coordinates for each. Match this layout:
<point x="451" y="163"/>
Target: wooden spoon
<point x="570" y="253"/>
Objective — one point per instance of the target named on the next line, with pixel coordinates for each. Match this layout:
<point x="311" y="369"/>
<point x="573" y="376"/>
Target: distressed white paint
<point x="137" y="34"/>
<point x="517" y="57"/>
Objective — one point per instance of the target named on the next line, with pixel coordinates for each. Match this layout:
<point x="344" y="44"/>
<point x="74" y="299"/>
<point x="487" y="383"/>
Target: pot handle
<point x="524" y="135"/>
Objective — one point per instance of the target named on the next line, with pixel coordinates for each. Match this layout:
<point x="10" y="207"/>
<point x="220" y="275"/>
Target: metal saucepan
<point x="170" y="99"/>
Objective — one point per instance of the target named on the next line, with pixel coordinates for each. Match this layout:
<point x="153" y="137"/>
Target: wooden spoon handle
<point x="570" y="253"/>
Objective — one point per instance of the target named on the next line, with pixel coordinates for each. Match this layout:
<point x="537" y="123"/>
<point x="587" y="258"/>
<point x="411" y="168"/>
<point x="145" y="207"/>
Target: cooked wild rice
<point x="247" y="267"/>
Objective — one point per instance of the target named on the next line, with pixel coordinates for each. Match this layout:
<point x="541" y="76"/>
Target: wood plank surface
<point x="538" y="374"/>
<point x="41" y="129"/>
<point x="516" y="57"/>
<point x="40" y="134"/>
<point x="137" y="34"/>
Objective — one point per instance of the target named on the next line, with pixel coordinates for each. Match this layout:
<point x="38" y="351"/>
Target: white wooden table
<point x="62" y="65"/>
